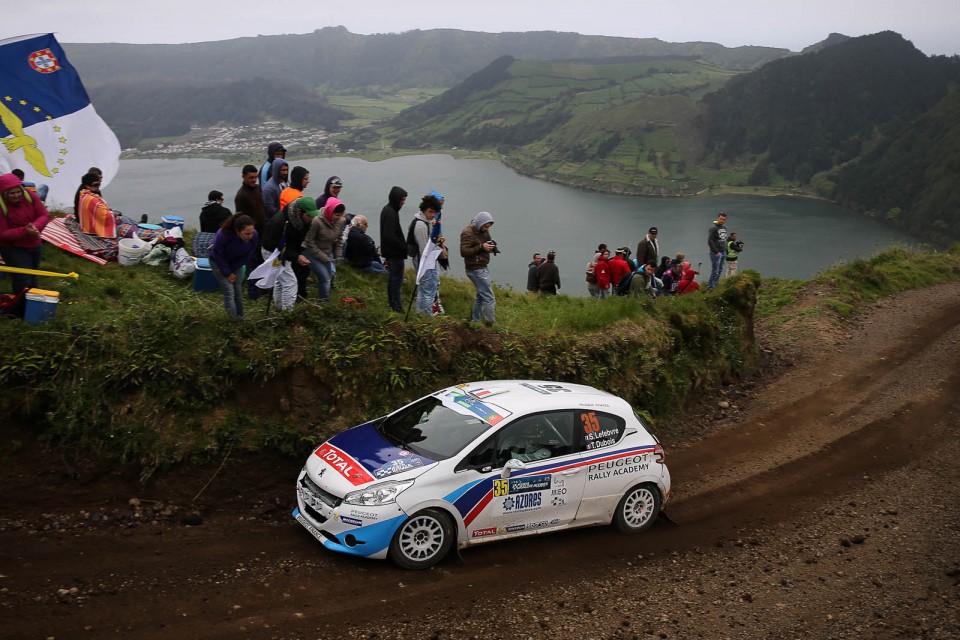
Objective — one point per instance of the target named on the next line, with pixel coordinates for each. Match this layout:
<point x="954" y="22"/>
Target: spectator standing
<point x="421" y="231"/>
<point x="734" y="247"/>
<point x="299" y="179"/>
<point x="360" y="251"/>
<point x="717" y="244"/>
<point x="549" y="275"/>
<point x="230" y="252"/>
<point x="323" y="246"/>
<point x="393" y="245"/>
<point x="274" y="150"/>
<point x="602" y="269"/>
<point x="274" y="186"/>
<point x="249" y="201"/>
<point x="648" y="249"/>
<point x="286" y="232"/>
<point x="332" y="188"/>
<point x="476" y="247"/>
<point x="533" y="274"/>
<point x="22" y="218"/>
<point x="212" y="216"/>
<point x="619" y="266"/>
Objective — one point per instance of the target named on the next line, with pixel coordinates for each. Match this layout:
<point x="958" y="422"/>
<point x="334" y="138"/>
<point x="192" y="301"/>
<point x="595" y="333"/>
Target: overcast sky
<point x="932" y="25"/>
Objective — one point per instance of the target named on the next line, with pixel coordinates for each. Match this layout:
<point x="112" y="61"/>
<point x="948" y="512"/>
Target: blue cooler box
<point x="203" y="279"/>
<point x="41" y="305"/>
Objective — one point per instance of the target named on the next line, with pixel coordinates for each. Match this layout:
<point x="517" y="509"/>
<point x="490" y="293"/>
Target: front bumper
<point x="355" y="530"/>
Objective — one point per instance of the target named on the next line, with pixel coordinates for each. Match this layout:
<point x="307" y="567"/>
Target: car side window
<point x="597" y="429"/>
<point x="537" y="437"/>
<point x="479" y="458"/>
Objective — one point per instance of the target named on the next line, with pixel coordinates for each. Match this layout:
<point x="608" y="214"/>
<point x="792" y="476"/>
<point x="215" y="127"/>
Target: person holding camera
<point x="734" y="247"/>
<point x="476" y="247"/>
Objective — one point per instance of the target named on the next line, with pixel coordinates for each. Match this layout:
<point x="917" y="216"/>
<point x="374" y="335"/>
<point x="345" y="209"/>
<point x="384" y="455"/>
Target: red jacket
<point x="15" y="218"/>
<point x="688" y="284"/>
<point x="603" y="273"/>
<point x="618" y="268"/>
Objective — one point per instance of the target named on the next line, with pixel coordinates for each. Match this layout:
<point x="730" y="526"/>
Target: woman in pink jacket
<point x="22" y="218"/>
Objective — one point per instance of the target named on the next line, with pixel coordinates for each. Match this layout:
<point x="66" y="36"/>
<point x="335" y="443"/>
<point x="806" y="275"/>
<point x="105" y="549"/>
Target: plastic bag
<point x="182" y="264"/>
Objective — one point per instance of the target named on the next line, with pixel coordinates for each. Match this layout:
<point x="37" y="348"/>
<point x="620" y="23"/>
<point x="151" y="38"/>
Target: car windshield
<point x="430" y="429"/>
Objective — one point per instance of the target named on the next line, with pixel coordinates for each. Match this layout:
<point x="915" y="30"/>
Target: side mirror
<point x="512" y="465"/>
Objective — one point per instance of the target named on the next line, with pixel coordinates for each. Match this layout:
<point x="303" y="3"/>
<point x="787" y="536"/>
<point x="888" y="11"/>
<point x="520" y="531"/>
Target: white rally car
<point x="479" y="462"/>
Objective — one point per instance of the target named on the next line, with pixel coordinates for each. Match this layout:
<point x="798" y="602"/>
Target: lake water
<point x="784" y="237"/>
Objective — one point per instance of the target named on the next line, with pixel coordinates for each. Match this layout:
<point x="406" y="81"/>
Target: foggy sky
<point x="932" y="25"/>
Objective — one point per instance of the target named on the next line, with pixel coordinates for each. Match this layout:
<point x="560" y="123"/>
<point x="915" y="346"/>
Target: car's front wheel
<point x="637" y="509"/>
<point x="423" y="540"/>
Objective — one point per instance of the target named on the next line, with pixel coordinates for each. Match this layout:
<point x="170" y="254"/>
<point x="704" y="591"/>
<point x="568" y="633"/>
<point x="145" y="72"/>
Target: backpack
<point x="623" y="287"/>
<point x="413" y="248"/>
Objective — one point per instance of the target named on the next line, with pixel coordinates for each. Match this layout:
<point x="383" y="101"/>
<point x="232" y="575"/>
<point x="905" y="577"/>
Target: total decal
<point x="343" y="464"/>
<point x="625" y="465"/>
<point x="484" y="533"/>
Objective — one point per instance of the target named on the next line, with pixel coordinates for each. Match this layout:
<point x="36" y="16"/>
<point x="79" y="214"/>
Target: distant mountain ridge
<point x="333" y="57"/>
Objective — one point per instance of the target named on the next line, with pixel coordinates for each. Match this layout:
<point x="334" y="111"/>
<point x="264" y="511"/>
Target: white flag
<point x="48" y="127"/>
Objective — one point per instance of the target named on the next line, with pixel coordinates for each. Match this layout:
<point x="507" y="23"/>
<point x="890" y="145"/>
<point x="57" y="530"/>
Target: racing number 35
<point x="590" y="422"/>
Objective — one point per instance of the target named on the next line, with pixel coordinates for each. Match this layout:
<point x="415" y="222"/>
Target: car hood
<point x="361" y="456"/>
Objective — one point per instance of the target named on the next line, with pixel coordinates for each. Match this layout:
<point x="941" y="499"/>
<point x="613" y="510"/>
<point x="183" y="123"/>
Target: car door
<point x="542" y="492"/>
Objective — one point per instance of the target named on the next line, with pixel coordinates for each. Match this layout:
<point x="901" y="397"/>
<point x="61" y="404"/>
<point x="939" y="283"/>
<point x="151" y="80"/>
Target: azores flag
<point x="48" y="128"/>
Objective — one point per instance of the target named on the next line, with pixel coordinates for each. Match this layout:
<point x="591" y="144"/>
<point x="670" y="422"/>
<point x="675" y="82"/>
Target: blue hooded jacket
<point x="271" y="191"/>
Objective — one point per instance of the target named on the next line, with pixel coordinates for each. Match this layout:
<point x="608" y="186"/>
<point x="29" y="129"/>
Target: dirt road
<point x="820" y="501"/>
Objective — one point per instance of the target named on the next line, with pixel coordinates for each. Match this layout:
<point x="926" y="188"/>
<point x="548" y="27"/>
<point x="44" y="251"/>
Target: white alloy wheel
<point x="423" y="540"/>
<point x="637" y="509"/>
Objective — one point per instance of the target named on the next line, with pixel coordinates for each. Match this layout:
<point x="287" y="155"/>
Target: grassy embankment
<point x="138" y="367"/>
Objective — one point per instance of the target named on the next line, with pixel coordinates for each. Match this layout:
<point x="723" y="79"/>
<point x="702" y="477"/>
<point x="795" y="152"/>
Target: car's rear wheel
<point x="423" y="540"/>
<point x="637" y="509"/>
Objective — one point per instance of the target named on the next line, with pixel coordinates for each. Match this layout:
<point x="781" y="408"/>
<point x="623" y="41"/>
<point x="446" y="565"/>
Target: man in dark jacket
<point x="393" y="245"/>
<point x="550" y="275"/>
<point x="648" y="250"/>
<point x="249" y="201"/>
<point x="360" y="251"/>
<point x="717" y="244"/>
<point x="533" y="274"/>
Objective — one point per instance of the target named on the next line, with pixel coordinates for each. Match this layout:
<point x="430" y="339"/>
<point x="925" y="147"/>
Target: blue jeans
<point x="23" y="259"/>
<point x="395" y="283"/>
<point x="232" y="291"/>
<point x="716" y="268"/>
<point x="427" y="291"/>
<point x="375" y="268"/>
<point x="484" y="303"/>
<point x="324" y="272"/>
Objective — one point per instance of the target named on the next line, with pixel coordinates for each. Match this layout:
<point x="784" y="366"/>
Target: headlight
<point x="383" y="493"/>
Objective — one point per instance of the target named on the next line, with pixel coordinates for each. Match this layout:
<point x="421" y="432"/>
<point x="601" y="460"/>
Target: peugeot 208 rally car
<point x="479" y="462"/>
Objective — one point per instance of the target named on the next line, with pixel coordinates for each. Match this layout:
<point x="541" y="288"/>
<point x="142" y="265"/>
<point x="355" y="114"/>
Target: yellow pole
<point x="34" y="272"/>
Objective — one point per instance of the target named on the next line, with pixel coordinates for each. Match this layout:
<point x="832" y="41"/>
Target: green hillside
<point x="631" y="125"/>
<point x="335" y="59"/>
<point x="912" y="180"/>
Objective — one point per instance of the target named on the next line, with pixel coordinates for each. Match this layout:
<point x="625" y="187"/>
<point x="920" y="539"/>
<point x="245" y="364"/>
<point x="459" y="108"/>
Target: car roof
<point x="521" y="397"/>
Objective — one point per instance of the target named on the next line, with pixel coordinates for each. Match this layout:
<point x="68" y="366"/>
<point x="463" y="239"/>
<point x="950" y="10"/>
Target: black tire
<point x="638" y="509"/>
<point x="423" y="540"/>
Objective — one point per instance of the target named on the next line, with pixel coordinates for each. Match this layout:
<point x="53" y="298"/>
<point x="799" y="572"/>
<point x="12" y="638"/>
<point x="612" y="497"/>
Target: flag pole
<point x="35" y="272"/>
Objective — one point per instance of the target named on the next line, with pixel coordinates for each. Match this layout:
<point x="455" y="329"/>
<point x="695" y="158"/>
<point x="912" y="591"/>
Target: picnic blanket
<point x="65" y="234"/>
